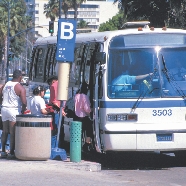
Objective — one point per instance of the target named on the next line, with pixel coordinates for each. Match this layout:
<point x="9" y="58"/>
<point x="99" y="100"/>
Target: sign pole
<point x="60" y="7"/>
<point x="65" y="55"/>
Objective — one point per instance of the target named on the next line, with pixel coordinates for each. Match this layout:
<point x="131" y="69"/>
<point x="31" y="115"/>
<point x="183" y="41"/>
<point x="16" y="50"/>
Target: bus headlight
<point x="122" y="117"/>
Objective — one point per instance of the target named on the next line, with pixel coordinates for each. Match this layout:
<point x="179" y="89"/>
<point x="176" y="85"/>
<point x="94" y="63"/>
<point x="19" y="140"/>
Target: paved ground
<point x="50" y="172"/>
<point x="82" y="165"/>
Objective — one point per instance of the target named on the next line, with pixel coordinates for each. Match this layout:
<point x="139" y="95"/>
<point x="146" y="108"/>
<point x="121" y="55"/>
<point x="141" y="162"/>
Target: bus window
<point x="125" y="66"/>
<point x="173" y="62"/>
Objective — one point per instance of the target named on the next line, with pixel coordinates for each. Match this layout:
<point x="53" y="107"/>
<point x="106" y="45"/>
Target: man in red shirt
<point x="53" y="82"/>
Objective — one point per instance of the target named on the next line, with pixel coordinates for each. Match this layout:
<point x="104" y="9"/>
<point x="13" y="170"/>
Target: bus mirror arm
<point x="100" y="57"/>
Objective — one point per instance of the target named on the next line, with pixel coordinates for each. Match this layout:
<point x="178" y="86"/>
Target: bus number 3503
<point x="162" y="112"/>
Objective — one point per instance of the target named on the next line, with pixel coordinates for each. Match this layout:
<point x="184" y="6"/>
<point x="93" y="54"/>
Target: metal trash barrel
<point x="75" y="141"/>
<point x="33" y="137"/>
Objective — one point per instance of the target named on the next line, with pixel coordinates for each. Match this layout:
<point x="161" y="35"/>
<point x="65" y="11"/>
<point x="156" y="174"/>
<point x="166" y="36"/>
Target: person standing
<point x="82" y="112"/>
<point x="13" y="99"/>
<point x="53" y="83"/>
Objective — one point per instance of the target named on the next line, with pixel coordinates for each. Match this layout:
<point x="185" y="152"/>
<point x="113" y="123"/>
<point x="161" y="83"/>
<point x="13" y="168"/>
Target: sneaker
<point x="11" y="156"/>
<point x="3" y="155"/>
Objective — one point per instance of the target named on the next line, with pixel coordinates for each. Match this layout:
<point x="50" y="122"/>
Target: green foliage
<point x="170" y="13"/>
<point x="75" y="4"/>
<point x="51" y="9"/>
<point x="113" y="24"/>
<point x="82" y="24"/>
<point x="177" y="14"/>
<point x="18" y="22"/>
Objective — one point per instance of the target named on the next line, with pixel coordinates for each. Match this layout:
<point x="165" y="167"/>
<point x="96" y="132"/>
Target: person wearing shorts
<point x="13" y="99"/>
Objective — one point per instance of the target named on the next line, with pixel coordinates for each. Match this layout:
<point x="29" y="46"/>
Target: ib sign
<point x="66" y="40"/>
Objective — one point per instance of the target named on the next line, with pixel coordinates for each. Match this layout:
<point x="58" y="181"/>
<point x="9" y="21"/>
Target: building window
<point x="97" y="0"/>
<point x="37" y="12"/>
<point x="36" y="18"/>
<point x="89" y="6"/>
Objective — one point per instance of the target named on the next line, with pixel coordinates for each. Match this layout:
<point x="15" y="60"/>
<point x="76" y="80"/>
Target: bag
<point x="69" y="113"/>
<point x="70" y="108"/>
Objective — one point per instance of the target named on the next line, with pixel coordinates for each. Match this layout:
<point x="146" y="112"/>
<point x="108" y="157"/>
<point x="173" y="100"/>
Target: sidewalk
<point x="82" y="165"/>
<point x="47" y="173"/>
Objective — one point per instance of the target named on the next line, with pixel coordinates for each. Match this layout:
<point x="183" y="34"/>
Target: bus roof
<point x="102" y="36"/>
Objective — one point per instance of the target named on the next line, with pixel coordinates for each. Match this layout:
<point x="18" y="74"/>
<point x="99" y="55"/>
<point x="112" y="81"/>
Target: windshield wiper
<point x="143" y="94"/>
<point x="165" y="70"/>
<point x="171" y="81"/>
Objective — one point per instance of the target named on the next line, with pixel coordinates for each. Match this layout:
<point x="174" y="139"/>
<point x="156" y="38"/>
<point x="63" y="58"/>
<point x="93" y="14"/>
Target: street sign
<point x="66" y="40"/>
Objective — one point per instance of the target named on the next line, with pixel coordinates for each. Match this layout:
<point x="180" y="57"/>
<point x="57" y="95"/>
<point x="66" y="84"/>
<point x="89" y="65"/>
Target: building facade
<point x="93" y="12"/>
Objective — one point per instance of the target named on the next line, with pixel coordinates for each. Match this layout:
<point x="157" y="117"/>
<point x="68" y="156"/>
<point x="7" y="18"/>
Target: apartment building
<point x="93" y="12"/>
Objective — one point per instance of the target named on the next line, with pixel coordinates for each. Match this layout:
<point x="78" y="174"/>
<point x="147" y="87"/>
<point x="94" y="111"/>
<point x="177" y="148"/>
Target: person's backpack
<point x="70" y="108"/>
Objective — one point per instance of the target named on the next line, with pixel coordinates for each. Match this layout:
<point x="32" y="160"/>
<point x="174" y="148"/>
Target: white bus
<point x="136" y="93"/>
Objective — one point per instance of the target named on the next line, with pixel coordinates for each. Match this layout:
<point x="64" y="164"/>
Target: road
<point x="126" y="169"/>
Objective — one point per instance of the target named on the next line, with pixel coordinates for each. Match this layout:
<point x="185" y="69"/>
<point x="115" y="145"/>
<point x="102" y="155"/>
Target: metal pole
<point x="26" y="52"/>
<point x="8" y="41"/>
<point x="60" y="7"/>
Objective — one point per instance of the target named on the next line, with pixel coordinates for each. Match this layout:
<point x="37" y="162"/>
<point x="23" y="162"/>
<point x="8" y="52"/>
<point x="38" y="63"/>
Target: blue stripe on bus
<point x="147" y="132"/>
<point x="143" y="104"/>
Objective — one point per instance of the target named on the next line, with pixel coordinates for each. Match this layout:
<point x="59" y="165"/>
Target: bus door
<point x="87" y="68"/>
<point x="92" y="75"/>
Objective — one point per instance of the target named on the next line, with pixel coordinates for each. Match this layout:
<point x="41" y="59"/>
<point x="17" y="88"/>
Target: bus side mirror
<point x="100" y="57"/>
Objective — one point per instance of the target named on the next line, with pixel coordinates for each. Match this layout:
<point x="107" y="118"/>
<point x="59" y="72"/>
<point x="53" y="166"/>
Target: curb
<point x="83" y="165"/>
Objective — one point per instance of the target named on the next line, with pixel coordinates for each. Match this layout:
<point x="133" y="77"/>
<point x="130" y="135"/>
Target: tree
<point x="51" y="9"/>
<point x="65" y="7"/>
<point x="170" y="13"/>
<point x="177" y="14"/>
<point x="82" y="24"/>
<point x="75" y="4"/>
<point x="17" y="23"/>
<point x="113" y="24"/>
<point x="156" y="11"/>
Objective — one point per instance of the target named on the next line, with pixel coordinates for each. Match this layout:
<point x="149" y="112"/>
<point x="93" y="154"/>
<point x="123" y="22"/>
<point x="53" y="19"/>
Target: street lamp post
<point x="8" y="42"/>
<point x="26" y="52"/>
<point x="7" y="4"/>
<point x="60" y="6"/>
<point x="10" y="38"/>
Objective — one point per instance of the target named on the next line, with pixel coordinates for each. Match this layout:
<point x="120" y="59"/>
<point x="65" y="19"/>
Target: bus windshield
<point x="147" y="72"/>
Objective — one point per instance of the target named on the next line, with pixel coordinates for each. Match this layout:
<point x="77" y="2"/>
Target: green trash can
<point x="75" y="141"/>
<point x="33" y="137"/>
